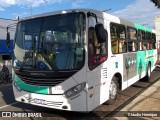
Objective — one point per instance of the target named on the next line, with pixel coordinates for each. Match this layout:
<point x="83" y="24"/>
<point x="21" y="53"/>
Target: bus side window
<point x="122" y="46"/>
<point x="144" y="46"/>
<point x="139" y="35"/>
<point x="153" y="41"/>
<point x="140" y="46"/>
<point x="114" y="41"/>
<point x="132" y="39"/>
<point x="148" y="46"/>
<point x="97" y="52"/>
<point x="143" y="35"/>
<point x="118" y="36"/>
<point x="140" y="40"/>
<point x="91" y="45"/>
<point x="148" y="40"/>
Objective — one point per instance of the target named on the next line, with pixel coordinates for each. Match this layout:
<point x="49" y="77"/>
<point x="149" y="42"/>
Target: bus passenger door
<point x="96" y="73"/>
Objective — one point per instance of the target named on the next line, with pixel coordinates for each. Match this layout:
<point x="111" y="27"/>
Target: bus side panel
<point x="141" y="63"/>
<point x="143" y="59"/>
<point x="98" y="85"/>
<point x="130" y="71"/>
<point x="150" y="58"/>
<point x="135" y="65"/>
<point x="99" y="80"/>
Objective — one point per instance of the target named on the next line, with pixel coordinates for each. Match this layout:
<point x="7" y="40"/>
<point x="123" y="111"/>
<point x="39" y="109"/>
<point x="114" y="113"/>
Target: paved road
<point x="7" y="103"/>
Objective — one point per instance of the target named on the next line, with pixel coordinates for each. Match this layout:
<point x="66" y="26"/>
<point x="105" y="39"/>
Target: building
<point x="157" y="28"/>
<point x="6" y="53"/>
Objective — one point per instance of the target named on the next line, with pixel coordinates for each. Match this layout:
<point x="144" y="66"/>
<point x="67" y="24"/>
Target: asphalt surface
<point x="8" y="104"/>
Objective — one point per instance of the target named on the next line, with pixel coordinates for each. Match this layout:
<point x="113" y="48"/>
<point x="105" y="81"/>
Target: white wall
<point x="157" y="28"/>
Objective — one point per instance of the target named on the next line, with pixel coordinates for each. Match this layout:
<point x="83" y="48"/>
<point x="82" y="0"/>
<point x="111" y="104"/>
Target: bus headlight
<point x="75" y="90"/>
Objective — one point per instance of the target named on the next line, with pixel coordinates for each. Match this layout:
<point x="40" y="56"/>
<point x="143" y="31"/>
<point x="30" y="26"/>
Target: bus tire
<point x="148" y="72"/>
<point x="113" y="91"/>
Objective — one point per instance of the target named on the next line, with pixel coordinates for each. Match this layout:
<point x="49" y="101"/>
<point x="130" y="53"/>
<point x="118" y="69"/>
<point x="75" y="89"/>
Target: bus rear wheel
<point x="113" y="89"/>
<point x="148" y="72"/>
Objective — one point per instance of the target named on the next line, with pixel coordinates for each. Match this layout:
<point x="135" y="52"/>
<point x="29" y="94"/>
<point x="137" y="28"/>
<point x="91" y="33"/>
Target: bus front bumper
<point x="77" y="103"/>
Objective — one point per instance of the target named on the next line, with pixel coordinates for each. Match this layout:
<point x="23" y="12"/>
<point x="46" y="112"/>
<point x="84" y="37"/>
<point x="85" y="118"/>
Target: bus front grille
<point x="41" y="82"/>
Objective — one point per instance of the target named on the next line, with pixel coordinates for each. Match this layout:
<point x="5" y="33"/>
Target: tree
<point x="156" y="2"/>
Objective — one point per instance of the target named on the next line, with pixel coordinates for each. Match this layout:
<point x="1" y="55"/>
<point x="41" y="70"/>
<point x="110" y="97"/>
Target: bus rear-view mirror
<point x="8" y="40"/>
<point x="100" y="32"/>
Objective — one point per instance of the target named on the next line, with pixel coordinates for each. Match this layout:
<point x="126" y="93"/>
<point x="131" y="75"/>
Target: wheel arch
<point x="119" y="79"/>
<point x="149" y="63"/>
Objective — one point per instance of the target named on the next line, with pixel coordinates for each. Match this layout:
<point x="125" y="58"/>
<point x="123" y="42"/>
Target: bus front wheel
<point x="113" y="91"/>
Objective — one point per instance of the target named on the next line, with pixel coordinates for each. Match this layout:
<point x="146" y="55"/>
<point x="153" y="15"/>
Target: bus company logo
<point x="38" y="74"/>
<point x="6" y="114"/>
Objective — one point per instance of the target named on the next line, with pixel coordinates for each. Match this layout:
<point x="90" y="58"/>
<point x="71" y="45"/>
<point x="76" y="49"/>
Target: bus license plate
<point x="40" y="101"/>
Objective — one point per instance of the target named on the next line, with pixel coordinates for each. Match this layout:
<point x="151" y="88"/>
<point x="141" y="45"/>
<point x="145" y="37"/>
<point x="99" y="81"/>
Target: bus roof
<point x="99" y="14"/>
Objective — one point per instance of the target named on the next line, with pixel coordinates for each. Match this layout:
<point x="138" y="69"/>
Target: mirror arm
<point x="93" y="15"/>
<point x="7" y="29"/>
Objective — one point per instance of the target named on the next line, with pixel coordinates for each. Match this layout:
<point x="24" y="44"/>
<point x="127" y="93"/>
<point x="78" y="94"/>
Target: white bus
<point x="76" y="60"/>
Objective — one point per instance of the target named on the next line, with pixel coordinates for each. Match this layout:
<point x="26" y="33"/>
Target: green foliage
<point x="156" y="2"/>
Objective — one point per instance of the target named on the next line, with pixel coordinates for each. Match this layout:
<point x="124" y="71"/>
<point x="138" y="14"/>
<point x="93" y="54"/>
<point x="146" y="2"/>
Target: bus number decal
<point x="116" y="64"/>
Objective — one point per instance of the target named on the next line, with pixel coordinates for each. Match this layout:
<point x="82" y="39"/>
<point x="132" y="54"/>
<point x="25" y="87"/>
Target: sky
<point x="139" y="11"/>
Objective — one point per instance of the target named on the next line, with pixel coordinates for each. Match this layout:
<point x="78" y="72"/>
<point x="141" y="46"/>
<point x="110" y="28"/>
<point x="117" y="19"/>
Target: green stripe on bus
<point x="138" y="26"/>
<point x="150" y="57"/>
<point x="143" y="57"/>
<point x="30" y="88"/>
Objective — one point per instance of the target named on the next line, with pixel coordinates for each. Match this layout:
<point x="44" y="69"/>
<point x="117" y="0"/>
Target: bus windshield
<point x="54" y="43"/>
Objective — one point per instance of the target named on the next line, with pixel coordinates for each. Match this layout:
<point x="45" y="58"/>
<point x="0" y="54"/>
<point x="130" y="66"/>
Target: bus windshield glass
<point x="54" y="43"/>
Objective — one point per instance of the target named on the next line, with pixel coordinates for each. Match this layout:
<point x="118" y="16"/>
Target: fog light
<point x="64" y="107"/>
<point x="22" y="100"/>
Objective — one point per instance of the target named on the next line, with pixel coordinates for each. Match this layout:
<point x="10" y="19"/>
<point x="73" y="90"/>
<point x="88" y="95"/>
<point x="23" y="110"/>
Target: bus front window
<point x="53" y="43"/>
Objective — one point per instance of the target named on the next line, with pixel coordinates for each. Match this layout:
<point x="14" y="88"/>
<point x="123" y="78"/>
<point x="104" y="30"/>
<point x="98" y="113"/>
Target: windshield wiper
<point x="27" y="55"/>
<point x="52" y="64"/>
